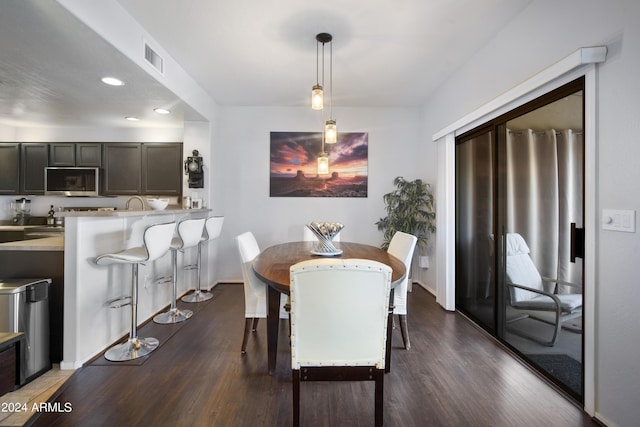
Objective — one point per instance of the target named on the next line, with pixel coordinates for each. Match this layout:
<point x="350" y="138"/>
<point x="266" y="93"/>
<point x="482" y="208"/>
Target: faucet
<point x="143" y="203"/>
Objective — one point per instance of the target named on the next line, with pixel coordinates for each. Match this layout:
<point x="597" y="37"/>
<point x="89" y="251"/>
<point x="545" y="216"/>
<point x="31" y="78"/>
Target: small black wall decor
<point x="193" y="168"/>
<point x="294" y="166"/>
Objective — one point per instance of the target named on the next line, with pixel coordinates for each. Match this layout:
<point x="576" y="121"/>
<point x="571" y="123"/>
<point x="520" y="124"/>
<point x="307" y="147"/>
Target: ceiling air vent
<point x="153" y="58"/>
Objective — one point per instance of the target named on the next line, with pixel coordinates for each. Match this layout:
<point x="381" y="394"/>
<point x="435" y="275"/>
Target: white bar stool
<point x="157" y="240"/>
<point x="212" y="230"/>
<point x="189" y="235"/>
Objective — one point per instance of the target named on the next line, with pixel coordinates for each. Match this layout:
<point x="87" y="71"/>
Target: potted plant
<point x="409" y="209"/>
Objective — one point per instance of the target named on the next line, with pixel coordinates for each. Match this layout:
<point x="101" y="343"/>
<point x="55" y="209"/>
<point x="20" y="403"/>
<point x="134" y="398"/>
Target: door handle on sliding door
<point x="577" y="242"/>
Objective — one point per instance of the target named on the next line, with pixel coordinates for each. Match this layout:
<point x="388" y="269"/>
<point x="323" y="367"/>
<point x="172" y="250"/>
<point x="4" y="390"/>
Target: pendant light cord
<point x="330" y="80"/>
<point x="317" y="65"/>
<point x="322" y="113"/>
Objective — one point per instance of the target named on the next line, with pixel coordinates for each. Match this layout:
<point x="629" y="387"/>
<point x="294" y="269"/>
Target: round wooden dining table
<point x="272" y="267"/>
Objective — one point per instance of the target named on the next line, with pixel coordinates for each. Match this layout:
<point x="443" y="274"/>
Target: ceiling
<point x="252" y="52"/>
<point x="242" y="52"/>
<point x="50" y="70"/>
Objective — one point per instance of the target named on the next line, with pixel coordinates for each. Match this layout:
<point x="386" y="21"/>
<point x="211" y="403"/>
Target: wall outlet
<point x="423" y="261"/>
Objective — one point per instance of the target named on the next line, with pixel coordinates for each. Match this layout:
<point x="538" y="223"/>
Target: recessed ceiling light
<point x="112" y="81"/>
<point x="161" y="111"/>
<point x="132" y="119"/>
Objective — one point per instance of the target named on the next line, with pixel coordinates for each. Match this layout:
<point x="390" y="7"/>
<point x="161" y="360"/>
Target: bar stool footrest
<point x="119" y="302"/>
<point x="163" y="280"/>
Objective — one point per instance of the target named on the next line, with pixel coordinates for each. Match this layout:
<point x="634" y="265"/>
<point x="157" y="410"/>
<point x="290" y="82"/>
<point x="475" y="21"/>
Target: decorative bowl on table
<point x="325" y="232"/>
<point x="158" y="204"/>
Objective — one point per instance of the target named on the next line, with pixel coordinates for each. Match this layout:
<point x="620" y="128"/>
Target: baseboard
<point x="226" y="282"/>
<point x="425" y="287"/>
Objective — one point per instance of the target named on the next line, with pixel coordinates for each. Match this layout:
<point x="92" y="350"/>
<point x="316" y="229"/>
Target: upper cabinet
<point x="153" y="169"/>
<point x="34" y="157"/>
<point x="162" y="169"/>
<point x="147" y="169"/>
<point x="9" y="169"/>
<point x="83" y="154"/>
<point x="122" y="169"/>
<point x="89" y="155"/>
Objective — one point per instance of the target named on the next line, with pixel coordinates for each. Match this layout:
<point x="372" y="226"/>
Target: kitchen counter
<point x="17" y="227"/>
<point x="44" y="244"/>
<point x="130" y="213"/>
<point x="90" y="326"/>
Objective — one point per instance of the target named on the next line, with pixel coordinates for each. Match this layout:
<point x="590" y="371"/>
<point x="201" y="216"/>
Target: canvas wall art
<point x="294" y="166"/>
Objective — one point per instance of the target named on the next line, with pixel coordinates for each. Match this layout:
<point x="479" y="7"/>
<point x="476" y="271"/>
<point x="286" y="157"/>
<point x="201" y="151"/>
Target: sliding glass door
<point x="475" y="201"/>
<point x="519" y="240"/>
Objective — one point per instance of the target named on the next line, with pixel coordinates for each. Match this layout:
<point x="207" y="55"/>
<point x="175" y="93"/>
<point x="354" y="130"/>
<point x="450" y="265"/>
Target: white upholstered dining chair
<point x="255" y="290"/>
<point x="402" y="246"/>
<point x="344" y="339"/>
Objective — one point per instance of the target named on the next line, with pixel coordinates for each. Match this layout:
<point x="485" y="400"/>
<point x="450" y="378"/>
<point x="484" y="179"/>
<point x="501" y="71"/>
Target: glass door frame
<point x="583" y="62"/>
<point x="498" y="127"/>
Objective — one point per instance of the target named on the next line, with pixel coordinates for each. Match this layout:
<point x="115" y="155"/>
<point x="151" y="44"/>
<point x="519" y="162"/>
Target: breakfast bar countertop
<point x="44" y="244"/>
<point x="126" y="212"/>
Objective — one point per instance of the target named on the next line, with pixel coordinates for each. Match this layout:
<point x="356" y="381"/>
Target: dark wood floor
<point x="453" y="375"/>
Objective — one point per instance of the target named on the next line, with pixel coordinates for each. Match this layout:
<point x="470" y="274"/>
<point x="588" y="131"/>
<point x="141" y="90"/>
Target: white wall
<point x="544" y="33"/>
<point x="242" y="161"/>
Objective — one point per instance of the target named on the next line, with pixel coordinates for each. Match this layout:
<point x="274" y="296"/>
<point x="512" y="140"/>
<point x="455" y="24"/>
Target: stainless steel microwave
<point x="71" y="181"/>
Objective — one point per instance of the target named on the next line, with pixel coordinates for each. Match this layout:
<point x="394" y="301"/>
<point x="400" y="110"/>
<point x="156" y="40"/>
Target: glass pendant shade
<point x="317" y="98"/>
<point x="330" y="132"/>
<point x="323" y="164"/>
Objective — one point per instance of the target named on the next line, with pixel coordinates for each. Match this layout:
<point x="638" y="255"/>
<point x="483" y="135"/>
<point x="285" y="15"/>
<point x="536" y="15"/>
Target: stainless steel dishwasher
<point x="24" y="307"/>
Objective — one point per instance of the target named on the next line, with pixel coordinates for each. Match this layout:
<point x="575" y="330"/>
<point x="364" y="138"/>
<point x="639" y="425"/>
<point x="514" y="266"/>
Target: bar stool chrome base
<point x="197" y="296"/>
<point x="174" y="315"/>
<point x="131" y="349"/>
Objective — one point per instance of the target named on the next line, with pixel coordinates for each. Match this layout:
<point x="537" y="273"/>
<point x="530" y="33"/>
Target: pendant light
<point x="317" y="94"/>
<point x="329" y="133"/>
<point x="323" y="164"/>
<point x="317" y="98"/>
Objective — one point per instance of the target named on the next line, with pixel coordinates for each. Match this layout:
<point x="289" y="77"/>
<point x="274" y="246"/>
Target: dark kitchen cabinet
<point x="11" y="348"/>
<point x="9" y="168"/>
<point x="34" y="157"/>
<point x="142" y="168"/>
<point x="122" y="166"/>
<point x="162" y="169"/>
<point x="75" y="154"/>
<point x="88" y="155"/>
<point x="62" y="154"/>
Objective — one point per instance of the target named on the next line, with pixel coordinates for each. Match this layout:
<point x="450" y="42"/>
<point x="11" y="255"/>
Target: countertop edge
<point x="52" y="244"/>
<point x="125" y="213"/>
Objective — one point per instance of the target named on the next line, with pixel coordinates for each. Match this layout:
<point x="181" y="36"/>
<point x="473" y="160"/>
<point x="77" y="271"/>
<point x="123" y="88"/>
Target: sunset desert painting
<point x="294" y="166"/>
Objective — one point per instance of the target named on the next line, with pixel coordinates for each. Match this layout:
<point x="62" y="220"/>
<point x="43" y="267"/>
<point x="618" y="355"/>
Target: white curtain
<point x="545" y="195"/>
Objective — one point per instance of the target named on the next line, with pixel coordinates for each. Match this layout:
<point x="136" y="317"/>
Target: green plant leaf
<point x="409" y="209"/>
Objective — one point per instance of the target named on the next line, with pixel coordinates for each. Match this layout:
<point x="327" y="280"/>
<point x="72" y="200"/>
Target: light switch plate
<point x="619" y="220"/>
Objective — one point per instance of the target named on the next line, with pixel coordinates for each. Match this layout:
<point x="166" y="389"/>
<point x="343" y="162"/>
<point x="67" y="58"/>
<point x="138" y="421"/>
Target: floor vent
<point x="153" y="58"/>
